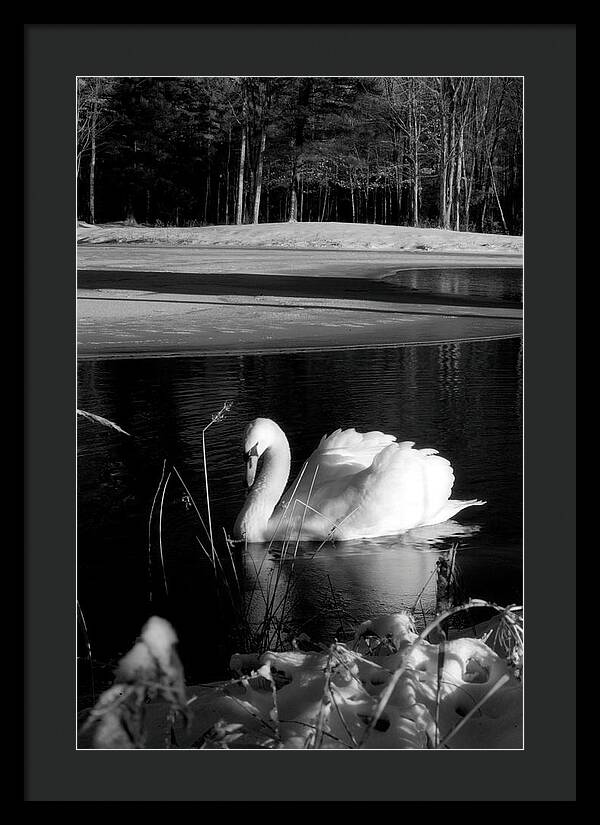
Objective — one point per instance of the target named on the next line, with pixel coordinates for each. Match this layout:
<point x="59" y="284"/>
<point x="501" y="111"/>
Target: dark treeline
<point x="420" y="151"/>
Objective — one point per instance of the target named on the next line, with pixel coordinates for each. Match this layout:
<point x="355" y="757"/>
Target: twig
<point x="215" y="419"/>
<point x="438" y="691"/>
<point x="316" y="740"/>
<point x="150" y="529"/>
<point x="89" y="650"/>
<point x="291" y="573"/>
<point x="341" y="718"/>
<point x="336" y="525"/>
<point x="162" y="560"/>
<point x="104" y="421"/>
<point x="191" y="498"/>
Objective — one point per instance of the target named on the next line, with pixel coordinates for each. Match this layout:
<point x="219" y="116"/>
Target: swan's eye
<point x="253" y="451"/>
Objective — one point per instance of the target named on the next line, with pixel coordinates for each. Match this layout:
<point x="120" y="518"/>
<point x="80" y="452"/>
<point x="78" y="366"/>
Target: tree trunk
<point x="469" y="190"/>
<point x="259" y="173"/>
<point x="240" y="193"/>
<point x="206" y="194"/>
<point x="219" y="179"/>
<point x="268" y="192"/>
<point x="400" y="177"/>
<point x="495" y="190"/>
<point x="227" y="177"/>
<point x="297" y="142"/>
<point x="416" y="174"/>
<point x="93" y="123"/>
<point x="414" y="136"/>
<point x="451" y="166"/>
<point x="459" y="174"/>
<point x="384" y="199"/>
<point x="443" y="156"/>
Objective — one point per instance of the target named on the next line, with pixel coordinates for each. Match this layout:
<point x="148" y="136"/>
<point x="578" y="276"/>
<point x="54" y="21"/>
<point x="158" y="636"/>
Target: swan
<point x="353" y="486"/>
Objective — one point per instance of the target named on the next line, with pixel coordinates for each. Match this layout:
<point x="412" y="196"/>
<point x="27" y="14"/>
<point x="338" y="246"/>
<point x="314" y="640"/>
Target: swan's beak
<point x="251" y="459"/>
<point x="251" y="465"/>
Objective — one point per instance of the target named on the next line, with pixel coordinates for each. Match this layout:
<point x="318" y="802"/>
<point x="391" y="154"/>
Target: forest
<point x="196" y="151"/>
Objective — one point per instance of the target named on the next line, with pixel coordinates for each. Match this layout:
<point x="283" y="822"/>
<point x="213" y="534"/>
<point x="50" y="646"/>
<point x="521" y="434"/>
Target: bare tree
<point x="305" y="87"/>
<point x="94" y="118"/>
<point x="239" y="211"/>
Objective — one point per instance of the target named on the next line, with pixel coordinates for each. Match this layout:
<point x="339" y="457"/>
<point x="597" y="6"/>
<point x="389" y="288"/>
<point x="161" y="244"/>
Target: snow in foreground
<point x="389" y="689"/>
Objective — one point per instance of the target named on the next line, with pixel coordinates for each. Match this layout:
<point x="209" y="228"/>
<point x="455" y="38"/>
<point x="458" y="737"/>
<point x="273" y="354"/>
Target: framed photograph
<point x="302" y="325"/>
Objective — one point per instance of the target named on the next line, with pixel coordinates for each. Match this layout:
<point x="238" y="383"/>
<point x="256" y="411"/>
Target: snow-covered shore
<point x="272" y="287"/>
<point x="405" y="693"/>
<point x="302" y="236"/>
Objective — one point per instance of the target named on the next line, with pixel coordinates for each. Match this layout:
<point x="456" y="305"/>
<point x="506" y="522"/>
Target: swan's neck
<point x="252" y="522"/>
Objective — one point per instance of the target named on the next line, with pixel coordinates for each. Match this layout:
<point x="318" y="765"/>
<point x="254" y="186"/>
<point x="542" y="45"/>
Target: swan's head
<point x="259" y="435"/>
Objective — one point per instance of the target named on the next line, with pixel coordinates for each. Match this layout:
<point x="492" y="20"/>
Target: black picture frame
<point x="54" y="54"/>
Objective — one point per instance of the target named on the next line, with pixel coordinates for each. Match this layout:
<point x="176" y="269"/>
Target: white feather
<point x="354" y="485"/>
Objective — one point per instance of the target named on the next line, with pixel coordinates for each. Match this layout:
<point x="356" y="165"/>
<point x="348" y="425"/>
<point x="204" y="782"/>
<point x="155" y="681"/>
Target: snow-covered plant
<point x="150" y="670"/>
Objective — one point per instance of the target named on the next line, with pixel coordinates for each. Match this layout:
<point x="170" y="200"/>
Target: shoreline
<point x="148" y="354"/>
<point x="170" y="301"/>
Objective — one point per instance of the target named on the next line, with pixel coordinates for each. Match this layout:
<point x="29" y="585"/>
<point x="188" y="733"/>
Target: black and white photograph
<point x="300" y="412"/>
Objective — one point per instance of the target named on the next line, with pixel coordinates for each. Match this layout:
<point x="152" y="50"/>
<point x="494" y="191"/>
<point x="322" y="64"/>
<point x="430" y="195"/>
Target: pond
<point x="483" y="287"/>
<point x="464" y="399"/>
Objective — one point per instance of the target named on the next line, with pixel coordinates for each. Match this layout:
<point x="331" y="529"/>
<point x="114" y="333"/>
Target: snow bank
<point x="334" y="695"/>
<point x="302" y="236"/>
<point x="463" y="694"/>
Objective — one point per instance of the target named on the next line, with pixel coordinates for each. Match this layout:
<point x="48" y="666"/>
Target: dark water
<point x="463" y="399"/>
<point x="483" y="287"/>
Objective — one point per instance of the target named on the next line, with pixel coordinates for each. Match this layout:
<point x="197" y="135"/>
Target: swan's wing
<point x="340" y="455"/>
<point x="403" y="488"/>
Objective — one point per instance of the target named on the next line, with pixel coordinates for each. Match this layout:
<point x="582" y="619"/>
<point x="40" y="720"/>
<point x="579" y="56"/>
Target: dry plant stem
<point x="288" y="535"/>
<point x="336" y="525"/>
<point x="312" y="484"/>
<point x="440" y="671"/>
<point x="214" y="558"/>
<point x="317" y="739"/>
<point x="418" y="599"/>
<point x="389" y="688"/>
<point x="275" y="710"/>
<point x="423" y="612"/>
<point x="216" y="418"/>
<point x="257" y="585"/>
<point x="104" y="421"/>
<point x="207" y="554"/>
<point x="256" y="716"/>
<point x="210" y="533"/>
<point x="237" y="581"/>
<point x="224" y="577"/>
<point x="341" y="718"/>
<point x="313" y="727"/>
<point x="160" y="515"/>
<point x="283" y="603"/>
<point x="194" y="505"/>
<point x="89" y="650"/>
<point x="150" y="528"/>
<point x="496" y="686"/>
<point x="267" y="551"/>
